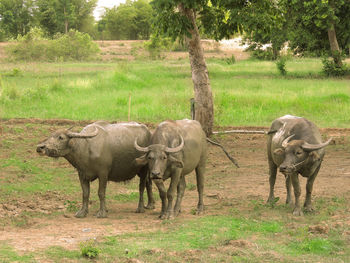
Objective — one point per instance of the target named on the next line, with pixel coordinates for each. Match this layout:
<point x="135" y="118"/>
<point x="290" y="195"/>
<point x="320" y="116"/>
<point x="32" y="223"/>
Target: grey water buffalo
<point x="102" y="151"/>
<point x="295" y="146"/>
<point x="176" y="149"/>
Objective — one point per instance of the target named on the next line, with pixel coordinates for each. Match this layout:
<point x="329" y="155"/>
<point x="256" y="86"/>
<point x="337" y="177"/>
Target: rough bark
<point x="204" y="110"/>
<point x="333" y="42"/>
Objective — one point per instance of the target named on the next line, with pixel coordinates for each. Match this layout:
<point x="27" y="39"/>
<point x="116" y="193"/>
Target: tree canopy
<point x="131" y="20"/>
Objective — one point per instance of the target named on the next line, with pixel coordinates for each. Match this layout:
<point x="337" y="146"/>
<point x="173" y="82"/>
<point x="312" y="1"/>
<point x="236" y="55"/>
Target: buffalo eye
<point x="299" y="153"/>
<point x="164" y="157"/>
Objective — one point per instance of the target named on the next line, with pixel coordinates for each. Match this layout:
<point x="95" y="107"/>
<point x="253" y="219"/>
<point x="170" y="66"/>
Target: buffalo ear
<point x="142" y="160"/>
<point x="278" y="151"/>
<point x="315" y="156"/>
<point x="176" y="162"/>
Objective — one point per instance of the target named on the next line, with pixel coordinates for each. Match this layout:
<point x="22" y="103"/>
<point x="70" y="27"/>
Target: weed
<point x="231" y="60"/>
<point x="191" y="187"/>
<point x="71" y="206"/>
<point x="88" y="249"/>
<point x="281" y="65"/>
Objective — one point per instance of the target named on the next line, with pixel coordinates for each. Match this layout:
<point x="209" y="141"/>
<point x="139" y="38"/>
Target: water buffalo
<point x="104" y="151"/>
<point x="295" y="146"/>
<point x="176" y="149"/>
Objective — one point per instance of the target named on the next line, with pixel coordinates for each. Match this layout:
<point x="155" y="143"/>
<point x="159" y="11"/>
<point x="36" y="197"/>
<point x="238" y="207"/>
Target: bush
<point x="231" y="60"/>
<point x="281" y="65"/>
<point x="333" y="70"/>
<point x="69" y="47"/>
<point x="156" y="45"/>
<point x="88" y="249"/>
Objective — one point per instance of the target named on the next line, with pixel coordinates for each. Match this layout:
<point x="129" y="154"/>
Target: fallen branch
<point x="240" y="131"/>
<point x="233" y="160"/>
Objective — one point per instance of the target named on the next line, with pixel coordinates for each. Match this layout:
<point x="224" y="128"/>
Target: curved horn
<point x="139" y="148"/>
<point x="79" y="135"/>
<point x="286" y="140"/>
<point x="176" y="149"/>
<point x="312" y="147"/>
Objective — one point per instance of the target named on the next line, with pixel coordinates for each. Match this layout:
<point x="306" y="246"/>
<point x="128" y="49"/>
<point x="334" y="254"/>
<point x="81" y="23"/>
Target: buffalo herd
<point x="118" y="152"/>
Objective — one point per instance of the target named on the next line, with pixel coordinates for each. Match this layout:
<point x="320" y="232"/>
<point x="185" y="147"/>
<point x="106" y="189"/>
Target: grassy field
<point x="249" y="93"/>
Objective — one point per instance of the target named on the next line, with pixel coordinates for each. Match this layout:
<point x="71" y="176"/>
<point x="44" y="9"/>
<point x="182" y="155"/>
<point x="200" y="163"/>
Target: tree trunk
<point x="333" y="42"/>
<point x="203" y="97"/>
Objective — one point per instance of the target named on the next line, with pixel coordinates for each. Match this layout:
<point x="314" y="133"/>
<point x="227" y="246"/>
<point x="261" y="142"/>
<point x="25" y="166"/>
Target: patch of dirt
<point x="113" y="50"/>
<point x="225" y="185"/>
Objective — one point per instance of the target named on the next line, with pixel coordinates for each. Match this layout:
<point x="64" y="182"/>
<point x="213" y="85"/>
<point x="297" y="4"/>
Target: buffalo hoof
<point x="81" y="213"/>
<point x="101" y="214"/>
<point x="150" y="206"/>
<point x="140" y="210"/>
<point x="162" y="216"/>
<point x="297" y="212"/>
<point x="309" y="209"/>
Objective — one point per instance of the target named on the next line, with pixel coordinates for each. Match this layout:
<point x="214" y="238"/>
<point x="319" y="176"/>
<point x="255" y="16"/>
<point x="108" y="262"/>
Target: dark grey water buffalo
<point x="104" y="151"/>
<point x="176" y="149"/>
<point x="295" y="146"/>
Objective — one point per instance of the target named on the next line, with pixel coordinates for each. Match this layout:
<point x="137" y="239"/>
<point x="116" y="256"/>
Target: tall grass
<point x="245" y="93"/>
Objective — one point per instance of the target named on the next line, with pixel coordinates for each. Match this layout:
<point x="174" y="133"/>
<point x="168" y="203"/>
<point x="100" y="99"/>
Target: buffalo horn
<point x="79" y="135"/>
<point x="312" y="147"/>
<point x="139" y="148"/>
<point x="176" y="149"/>
<point x="286" y="140"/>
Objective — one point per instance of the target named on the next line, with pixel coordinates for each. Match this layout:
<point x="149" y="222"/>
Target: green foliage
<point x="331" y="69"/>
<point x="16" y="17"/>
<point x="60" y="16"/>
<point x="71" y="206"/>
<point x="72" y="46"/>
<point x="231" y="60"/>
<point x="281" y="65"/>
<point x="88" y="249"/>
<point x="156" y="45"/>
<point x="259" y="53"/>
<point x="131" y="20"/>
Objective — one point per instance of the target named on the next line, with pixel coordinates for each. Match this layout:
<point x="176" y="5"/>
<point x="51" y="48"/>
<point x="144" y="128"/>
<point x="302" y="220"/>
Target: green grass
<point x="245" y="93"/>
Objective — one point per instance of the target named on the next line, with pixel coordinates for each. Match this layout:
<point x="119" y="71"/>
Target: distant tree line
<point x="310" y="27"/>
<point x="131" y="20"/>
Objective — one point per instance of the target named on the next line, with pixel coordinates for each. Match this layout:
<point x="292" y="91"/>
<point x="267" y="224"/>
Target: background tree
<point x="16" y="17"/>
<point x="319" y="26"/>
<point x="59" y="16"/>
<point x="178" y="19"/>
<point x="131" y="20"/>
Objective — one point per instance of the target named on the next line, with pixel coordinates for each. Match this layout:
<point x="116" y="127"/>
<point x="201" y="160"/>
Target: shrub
<point x="333" y="70"/>
<point x="281" y="65"/>
<point x="88" y="249"/>
<point x="156" y="45"/>
<point x="231" y="60"/>
<point x="34" y="47"/>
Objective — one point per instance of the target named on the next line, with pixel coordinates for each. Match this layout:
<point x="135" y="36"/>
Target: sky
<point x="105" y="3"/>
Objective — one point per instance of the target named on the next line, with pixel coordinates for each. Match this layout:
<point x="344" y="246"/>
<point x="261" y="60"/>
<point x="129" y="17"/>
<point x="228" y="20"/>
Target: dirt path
<point x="223" y="182"/>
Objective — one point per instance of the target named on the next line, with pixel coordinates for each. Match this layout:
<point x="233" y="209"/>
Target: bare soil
<point x="113" y="50"/>
<point x="51" y="223"/>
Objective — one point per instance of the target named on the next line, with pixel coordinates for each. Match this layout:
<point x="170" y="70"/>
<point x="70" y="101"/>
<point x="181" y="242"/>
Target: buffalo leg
<point x="272" y="181"/>
<point x="102" y="213"/>
<point x="180" y="194"/>
<point x="297" y="191"/>
<point x="175" y="178"/>
<point x="162" y="195"/>
<point x="309" y="186"/>
<point x="142" y="184"/>
<point x="200" y="187"/>
<point x="85" y="186"/>
<point x="151" y="202"/>
<point x="288" y="187"/>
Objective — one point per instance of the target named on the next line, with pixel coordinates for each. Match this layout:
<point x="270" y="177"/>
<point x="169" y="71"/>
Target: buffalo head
<point x="297" y="153"/>
<point x="57" y="145"/>
<point x="158" y="157"/>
